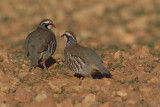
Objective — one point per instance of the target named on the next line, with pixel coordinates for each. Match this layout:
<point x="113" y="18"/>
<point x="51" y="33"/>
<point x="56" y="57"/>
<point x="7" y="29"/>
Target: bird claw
<point x="44" y="65"/>
<point x="81" y="78"/>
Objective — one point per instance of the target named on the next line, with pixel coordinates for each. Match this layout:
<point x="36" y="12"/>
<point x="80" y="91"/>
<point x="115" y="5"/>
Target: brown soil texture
<point x="124" y="33"/>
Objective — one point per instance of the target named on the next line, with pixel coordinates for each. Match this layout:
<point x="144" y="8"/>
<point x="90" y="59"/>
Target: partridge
<point x="82" y="60"/>
<point x="41" y="43"/>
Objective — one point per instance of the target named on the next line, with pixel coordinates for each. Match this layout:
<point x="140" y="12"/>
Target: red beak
<point x="63" y="35"/>
<point x="52" y="25"/>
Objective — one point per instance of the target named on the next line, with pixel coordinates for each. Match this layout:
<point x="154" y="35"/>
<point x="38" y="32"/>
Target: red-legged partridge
<point x="82" y="60"/>
<point x="41" y="43"/>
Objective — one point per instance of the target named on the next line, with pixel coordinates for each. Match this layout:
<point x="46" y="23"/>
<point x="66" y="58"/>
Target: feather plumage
<point x="40" y="44"/>
<point x="82" y="60"/>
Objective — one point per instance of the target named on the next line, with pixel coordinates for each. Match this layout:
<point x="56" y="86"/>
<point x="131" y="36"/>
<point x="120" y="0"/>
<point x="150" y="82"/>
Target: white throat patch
<point x="65" y="38"/>
<point x="49" y="27"/>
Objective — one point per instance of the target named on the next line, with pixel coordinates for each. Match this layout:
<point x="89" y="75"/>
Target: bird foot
<point x="81" y="78"/>
<point x="44" y="65"/>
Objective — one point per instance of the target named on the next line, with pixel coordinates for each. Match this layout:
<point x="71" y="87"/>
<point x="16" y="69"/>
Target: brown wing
<point x="26" y="47"/>
<point x="26" y="44"/>
<point x="87" y="54"/>
<point x="32" y="38"/>
<point x="48" y="41"/>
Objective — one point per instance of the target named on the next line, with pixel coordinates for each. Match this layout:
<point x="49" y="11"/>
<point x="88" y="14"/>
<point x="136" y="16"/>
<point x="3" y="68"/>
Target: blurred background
<point x="96" y="23"/>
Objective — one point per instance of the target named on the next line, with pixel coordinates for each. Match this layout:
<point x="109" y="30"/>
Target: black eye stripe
<point x="67" y="38"/>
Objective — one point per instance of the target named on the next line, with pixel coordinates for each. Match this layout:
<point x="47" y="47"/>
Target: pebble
<point x="41" y="97"/>
<point x="154" y="80"/>
<point x="117" y="55"/>
<point x="22" y="95"/>
<point x="88" y="101"/>
<point x="121" y="93"/>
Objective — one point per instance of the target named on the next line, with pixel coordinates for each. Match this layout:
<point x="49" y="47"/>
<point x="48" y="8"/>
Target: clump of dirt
<point x="124" y="34"/>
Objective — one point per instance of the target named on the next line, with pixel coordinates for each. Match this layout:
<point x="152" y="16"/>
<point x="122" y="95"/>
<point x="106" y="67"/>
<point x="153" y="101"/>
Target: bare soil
<point x="125" y="34"/>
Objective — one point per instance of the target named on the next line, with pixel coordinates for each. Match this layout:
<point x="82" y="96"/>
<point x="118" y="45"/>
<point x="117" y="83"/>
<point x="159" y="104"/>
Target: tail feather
<point x="101" y="69"/>
<point x="34" y="56"/>
<point x="34" y="61"/>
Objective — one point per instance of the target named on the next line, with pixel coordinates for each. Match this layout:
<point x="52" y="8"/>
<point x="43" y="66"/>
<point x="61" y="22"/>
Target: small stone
<point x="61" y="63"/>
<point x="156" y="69"/>
<point x="4" y="87"/>
<point x="22" y="95"/>
<point x="121" y="93"/>
<point x="131" y="102"/>
<point x="118" y="99"/>
<point x="49" y="102"/>
<point x="41" y="97"/>
<point x="88" y="101"/>
<point x="113" y="94"/>
<point x="154" y="80"/>
<point x="4" y="105"/>
<point x="90" y="84"/>
<point x="23" y="65"/>
<point x="54" y="87"/>
<point x="117" y="55"/>
<point x="155" y="58"/>
<point x="58" y="84"/>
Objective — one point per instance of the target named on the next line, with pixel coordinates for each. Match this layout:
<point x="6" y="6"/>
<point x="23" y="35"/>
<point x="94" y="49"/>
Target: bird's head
<point x="69" y="34"/>
<point x="47" y="23"/>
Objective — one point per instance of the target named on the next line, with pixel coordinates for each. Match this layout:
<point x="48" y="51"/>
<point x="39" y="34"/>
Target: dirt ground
<point x="124" y="33"/>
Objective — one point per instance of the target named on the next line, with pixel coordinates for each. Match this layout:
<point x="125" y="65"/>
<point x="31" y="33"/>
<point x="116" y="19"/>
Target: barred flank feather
<point x="51" y="47"/>
<point x="75" y="63"/>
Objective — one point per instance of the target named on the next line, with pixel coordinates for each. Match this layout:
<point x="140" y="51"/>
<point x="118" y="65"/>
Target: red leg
<point x="81" y="78"/>
<point x="44" y="65"/>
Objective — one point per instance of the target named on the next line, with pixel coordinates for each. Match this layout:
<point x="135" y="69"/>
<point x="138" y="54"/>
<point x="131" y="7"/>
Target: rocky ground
<point x="124" y="33"/>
